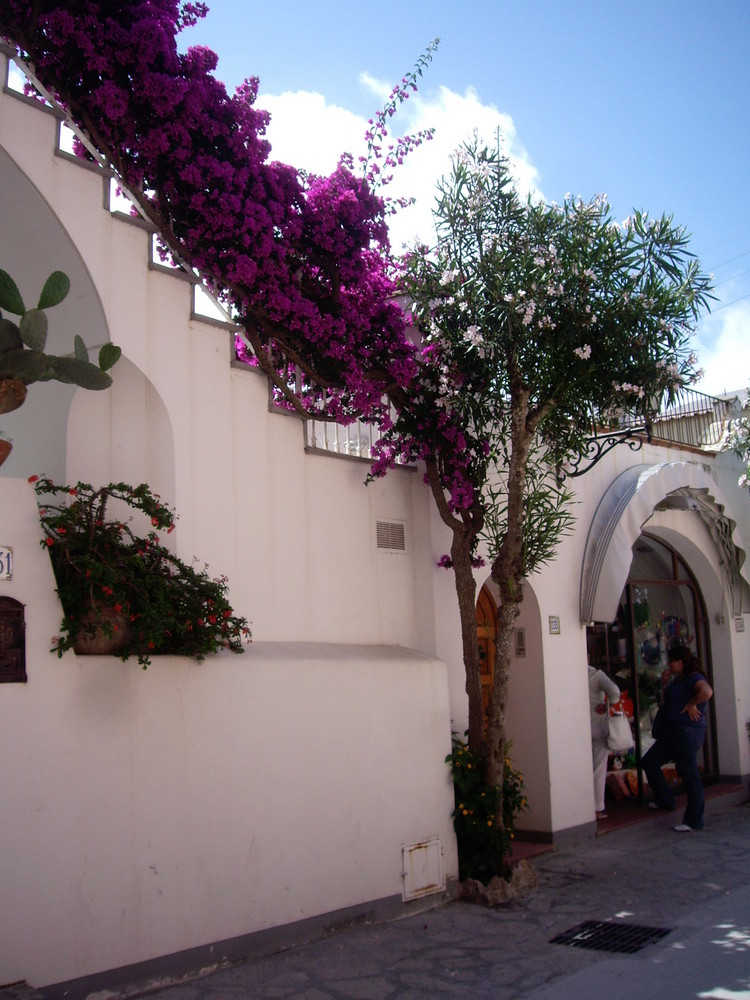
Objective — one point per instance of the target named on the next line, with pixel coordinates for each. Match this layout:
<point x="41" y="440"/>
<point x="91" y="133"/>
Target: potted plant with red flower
<point x="122" y="590"/>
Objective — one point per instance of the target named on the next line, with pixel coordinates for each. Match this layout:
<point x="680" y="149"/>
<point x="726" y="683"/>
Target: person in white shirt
<point x="601" y="688"/>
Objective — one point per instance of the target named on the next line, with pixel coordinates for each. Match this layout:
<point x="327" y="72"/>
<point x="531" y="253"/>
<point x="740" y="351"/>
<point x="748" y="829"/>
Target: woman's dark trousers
<point x="682" y="745"/>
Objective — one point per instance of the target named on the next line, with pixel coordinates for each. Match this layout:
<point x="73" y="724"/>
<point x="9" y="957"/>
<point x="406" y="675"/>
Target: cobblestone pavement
<point x="696" y="885"/>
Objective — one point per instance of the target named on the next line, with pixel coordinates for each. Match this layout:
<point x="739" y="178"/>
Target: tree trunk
<point x="494" y="749"/>
<point x="508" y="574"/>
<point x="465" y="527"/>
<point x="466" y="590"/>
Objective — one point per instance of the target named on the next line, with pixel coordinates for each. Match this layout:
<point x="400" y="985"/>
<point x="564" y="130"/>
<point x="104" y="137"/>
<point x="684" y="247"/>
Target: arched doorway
<point x="660" y="604"/>
<point x="487" y="636"/>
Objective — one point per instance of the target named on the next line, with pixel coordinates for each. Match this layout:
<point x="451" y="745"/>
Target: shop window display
<point x="660" y="606"/>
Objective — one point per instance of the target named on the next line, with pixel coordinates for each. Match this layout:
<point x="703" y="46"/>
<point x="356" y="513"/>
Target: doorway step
<point x="627" y="812"/>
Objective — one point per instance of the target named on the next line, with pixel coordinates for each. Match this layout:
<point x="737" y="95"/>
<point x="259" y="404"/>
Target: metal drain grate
<point x="608" y="936"/>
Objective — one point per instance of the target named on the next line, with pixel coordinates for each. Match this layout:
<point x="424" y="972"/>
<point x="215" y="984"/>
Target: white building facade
<point x="155" y="823"/>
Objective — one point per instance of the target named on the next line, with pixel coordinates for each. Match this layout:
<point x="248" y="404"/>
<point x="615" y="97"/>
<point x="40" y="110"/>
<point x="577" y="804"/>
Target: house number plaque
<point x="6" y="563"/>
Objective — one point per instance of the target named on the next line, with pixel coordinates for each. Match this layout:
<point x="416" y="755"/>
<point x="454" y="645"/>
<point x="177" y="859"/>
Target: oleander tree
<point x="540" y="323"/>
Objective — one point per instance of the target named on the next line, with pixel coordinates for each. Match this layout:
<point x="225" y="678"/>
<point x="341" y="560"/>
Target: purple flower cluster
<point x="302" y="261"/>
<point x="303" y="258"/>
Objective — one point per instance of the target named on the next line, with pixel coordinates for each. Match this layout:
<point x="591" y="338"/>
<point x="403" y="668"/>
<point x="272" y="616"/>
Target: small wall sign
<point x="554" y="624"/>
<point x="6" y="563"/>
<point x="739" y="624"/>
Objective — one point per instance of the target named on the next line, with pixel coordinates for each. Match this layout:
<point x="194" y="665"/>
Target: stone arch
<point x="623" y="510"/>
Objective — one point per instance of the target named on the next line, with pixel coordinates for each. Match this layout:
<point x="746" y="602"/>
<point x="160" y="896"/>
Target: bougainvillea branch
<point x="301" y="259"/>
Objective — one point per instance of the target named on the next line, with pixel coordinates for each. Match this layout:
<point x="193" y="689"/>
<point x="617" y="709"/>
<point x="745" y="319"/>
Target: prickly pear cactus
<point x="22" y="357"/>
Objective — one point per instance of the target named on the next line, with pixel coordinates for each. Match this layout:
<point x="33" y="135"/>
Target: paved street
<point x="697" y="886"/>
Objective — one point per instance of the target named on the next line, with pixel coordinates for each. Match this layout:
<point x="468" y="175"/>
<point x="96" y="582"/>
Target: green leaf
<point x="28" y="366"/>
<point x="10" y="338"/>
<point x="80" y="348"/>
<point x="33" y="327"/>
<point x="78" y="372"/>
<point x="108" y="356"/>
<point x="56" y="287"/>
<point x="10" y="297"/>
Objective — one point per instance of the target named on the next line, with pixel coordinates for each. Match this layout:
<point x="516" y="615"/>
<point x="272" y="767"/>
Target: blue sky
<point x="646" y="101"/>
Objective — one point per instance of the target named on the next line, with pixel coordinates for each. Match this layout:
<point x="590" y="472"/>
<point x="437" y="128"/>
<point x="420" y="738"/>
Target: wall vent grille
<point x="391" y="536"/>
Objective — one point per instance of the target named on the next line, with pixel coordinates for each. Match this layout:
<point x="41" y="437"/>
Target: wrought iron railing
<point x="691" y="418"/>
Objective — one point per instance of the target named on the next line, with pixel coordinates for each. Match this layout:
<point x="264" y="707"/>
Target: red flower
<point x="32" y="479"/>
<point x="49" y="541"/>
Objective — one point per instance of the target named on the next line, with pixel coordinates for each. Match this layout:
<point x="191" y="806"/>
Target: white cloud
<point x="723" y="347"/>
<point x="309" y="132"/>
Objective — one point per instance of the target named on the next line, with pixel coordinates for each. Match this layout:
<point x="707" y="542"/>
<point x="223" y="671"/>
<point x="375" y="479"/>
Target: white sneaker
<point x="682" y="828"/>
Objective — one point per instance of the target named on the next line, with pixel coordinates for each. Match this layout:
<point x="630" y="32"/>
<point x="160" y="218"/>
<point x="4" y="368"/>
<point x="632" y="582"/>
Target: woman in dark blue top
<point x="681" y="738"/>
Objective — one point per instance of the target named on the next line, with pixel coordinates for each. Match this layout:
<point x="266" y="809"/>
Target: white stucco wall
<point x="148" y="813"/>
<point x="293" y="531"/>
<point x="145" y="813"/>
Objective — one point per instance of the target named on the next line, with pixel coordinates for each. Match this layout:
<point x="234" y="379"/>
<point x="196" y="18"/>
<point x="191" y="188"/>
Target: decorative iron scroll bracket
<point x="597" y="447"/>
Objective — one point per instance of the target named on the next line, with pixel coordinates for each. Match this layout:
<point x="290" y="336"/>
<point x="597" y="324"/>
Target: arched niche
<point x="35" y="243"/>
<point x="122" y="435"/>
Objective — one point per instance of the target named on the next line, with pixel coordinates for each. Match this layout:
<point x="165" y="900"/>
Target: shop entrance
<point x="660" y="605"/>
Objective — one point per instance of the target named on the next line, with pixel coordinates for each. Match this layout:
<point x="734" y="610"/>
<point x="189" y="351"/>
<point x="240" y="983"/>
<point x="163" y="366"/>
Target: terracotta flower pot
<point x="111" y="633"/>
<point x="12" y="394"/>
<point x="5" y="449"/>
